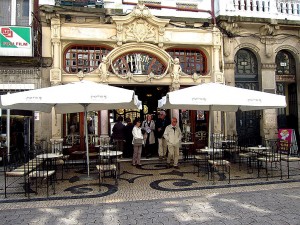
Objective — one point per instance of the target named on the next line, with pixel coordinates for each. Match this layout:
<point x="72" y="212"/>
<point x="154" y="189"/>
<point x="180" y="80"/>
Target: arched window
<point x="285" y="63"/>
<point x="138" y="63"/>
<point x="83" y="58"/>
<point x="191" y="60"/>
<point x="245" y="66"/>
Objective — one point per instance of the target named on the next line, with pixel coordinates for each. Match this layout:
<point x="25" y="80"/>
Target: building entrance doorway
<point x="149" y="95"/>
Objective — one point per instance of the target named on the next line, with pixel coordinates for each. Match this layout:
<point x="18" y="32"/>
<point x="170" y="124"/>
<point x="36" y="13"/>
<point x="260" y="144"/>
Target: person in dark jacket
<point x="128" y="150"/>
<point x="160" y="127"/>
<point x="118" y="134"/>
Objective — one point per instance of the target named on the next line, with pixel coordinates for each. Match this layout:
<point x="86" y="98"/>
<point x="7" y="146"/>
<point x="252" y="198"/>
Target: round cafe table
<point x="51" y="157"/>
<point x="111" y="153"/>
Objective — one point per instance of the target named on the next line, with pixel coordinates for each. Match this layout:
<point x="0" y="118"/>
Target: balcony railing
<point x="276" y="9"/>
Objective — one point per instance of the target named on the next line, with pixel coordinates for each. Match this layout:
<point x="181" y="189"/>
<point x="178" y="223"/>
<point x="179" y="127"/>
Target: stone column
<point x="56" y="130"/>
<point x="230" y="117"/>
<point x="269" y="116"/>
<point x="217" y="40"/>
<point x="55" y="72"/>
<point x="174" y="112"/>
<point x="104" y="123"/>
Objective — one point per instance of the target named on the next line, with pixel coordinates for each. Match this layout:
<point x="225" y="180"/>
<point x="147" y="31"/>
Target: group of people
<point x="149" y="138"/>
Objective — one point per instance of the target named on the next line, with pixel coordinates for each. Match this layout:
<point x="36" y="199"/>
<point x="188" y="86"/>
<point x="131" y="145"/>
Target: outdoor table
<point x="51" y="157"/>
<point x="227" y="143"/>
<point x="211" y="151"/>
<point x="111" y="153"/>
<point x="105" y="147"/>
<point x="258" y="149"/>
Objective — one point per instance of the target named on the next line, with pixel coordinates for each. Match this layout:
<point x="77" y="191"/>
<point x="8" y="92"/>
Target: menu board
<point x="289" y="135"/>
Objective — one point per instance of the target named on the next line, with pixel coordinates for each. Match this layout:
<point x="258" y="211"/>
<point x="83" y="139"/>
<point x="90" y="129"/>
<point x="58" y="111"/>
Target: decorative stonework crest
<point x="140" y="31"/>
<point x="140" y="26"/>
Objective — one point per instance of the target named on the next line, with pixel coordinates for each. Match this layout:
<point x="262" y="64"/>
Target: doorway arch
<point x="246" y="76"/>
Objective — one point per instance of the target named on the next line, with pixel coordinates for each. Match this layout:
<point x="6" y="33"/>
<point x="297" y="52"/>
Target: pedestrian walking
<point x="172" y="135"/>
<point x="160" y="126"/>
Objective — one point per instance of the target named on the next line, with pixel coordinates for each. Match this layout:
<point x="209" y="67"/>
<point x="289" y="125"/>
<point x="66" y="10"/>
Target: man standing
<point x="118" y="134"/>
<point x="172" y="135"/>
<point x="160" y="127"/>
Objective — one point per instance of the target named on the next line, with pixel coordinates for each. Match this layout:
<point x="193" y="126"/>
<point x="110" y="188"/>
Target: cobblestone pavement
<point x="262" y="204"/>
<point x="155" y="194"/>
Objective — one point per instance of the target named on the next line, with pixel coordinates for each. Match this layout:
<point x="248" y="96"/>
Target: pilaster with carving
<point x="175" y="112"/>
<point x="217" y="40"/>
<point x="55" y="72"/>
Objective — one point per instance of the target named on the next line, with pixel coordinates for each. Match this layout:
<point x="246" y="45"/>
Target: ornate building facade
<point x="135" y="50"/>
<point x="158" y="46"/>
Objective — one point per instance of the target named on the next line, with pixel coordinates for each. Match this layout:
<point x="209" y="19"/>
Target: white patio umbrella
<point x="218" y="97"/>
<point x="80" y="96"/>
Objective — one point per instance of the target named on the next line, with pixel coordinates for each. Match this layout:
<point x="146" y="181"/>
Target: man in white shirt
<point x="172" y="135"/>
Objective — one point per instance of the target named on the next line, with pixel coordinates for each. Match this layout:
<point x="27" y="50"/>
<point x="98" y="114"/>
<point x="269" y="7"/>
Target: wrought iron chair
<point x="270" y="158"/>
<point x="108" y="165"/>
<point x="44" y="172"/>
<point x="217" y="163"/>
<point x="289" y="155"/>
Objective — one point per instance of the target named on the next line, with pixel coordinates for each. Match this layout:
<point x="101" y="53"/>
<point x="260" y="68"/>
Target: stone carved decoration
<point x="140" y="31"/>
<point x="103" y="70"/>
<point x="55" y="28"/>
<point x="176" y="71"/>
<point x="231" y="29"/>
<point x="80" y="75"/>
<point x="247" y="45"/>
<point x="268" y="30"/>
<point x="268" y="42"/>
<point x="140" y="26"/>
<point x="195" y="77"/>
<point x="174" y="87"/>
<point x="55" y="76"/>
<point x="143" y="79"/>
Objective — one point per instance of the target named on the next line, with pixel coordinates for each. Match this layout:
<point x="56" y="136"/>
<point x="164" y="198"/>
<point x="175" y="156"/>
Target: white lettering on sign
<point x="199" y="100"/>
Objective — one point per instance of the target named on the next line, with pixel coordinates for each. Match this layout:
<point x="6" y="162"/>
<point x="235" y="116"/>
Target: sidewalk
<point x="153" y="181"/>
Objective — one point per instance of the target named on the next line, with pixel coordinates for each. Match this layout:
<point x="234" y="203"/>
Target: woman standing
<point x="148" y="128"/>
<point x="137" y="142"/>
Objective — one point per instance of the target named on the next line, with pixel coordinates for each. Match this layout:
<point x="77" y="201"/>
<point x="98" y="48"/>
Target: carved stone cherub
<point x="176" y="72"/>
<point x="103" y="69"/>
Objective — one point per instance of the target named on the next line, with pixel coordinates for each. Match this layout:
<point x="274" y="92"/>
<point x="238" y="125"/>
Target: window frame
<point x="82" y="59"/>
<point x="190" y="66"/>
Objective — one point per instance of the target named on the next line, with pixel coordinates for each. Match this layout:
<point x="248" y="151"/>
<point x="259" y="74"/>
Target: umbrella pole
<point x="209" y="127"/>
<point x="86" y="141"/>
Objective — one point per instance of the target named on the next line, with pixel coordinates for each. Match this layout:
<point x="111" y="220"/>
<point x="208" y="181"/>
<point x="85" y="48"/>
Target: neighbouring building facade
<point x="156" y="46"/>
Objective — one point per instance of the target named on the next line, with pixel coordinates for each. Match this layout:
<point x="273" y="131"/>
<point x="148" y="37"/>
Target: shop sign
<point x="15" y="41"/>
<point x="285" y="78"/>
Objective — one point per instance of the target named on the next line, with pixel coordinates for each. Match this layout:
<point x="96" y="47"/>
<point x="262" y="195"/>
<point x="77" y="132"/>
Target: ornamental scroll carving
<point x="140" y="31"/>
<point x="140" y="26"/>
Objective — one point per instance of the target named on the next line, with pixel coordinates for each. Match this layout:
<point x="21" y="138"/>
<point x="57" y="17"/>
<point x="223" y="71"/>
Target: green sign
<point x="15" y="37"/>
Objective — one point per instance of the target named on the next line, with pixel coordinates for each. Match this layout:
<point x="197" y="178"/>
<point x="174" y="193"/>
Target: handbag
<point x="138" y="141"/>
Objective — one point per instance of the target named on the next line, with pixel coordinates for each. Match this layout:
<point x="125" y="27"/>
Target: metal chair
<point x="217" y="163"/>
<point x="107" y="165"/>
<point x="289" y="156"/>
<point x="271" y="158"/>
<point x="42" y="173"/>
